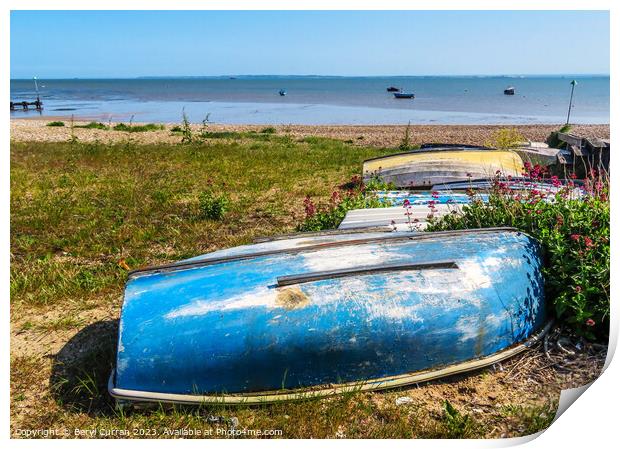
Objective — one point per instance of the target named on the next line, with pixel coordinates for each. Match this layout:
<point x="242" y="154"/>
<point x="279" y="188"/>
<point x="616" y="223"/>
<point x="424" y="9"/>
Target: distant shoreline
<point x="237" y="76"/>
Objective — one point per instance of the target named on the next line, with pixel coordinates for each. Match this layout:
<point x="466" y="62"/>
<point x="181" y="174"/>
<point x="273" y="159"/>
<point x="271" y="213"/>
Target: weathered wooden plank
<point x="577" y="150"/>
<point x="570" y="139"/>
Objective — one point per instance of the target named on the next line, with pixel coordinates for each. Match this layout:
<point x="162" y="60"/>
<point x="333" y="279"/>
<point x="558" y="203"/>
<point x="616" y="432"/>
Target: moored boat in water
<point x="408" y="95"/>
<point x="437" y="165"/>
<point x="321" y="314"/>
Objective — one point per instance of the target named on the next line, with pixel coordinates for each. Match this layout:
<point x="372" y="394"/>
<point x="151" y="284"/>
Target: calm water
<point x="323" y="100"/>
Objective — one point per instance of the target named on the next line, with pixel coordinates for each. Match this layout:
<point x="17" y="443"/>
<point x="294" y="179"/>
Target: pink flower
<point x="335" y="197"/>
<point x="406" y="203"/>
<point x="575" y="237"/>
<point x="590" y="322"/>
<point x="309" y="207"/>
<point x="588" y="242"/>
<point x="578" y="289"/>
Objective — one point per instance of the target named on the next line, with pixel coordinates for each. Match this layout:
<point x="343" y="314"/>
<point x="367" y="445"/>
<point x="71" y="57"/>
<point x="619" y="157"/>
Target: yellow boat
<point x="437" y="165"/>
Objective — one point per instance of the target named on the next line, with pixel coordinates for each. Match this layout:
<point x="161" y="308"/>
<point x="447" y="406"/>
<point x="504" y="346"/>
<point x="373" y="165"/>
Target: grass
<point x="55" y="124"/>
<point x="138" y="128"/>
<point x="82" y="214"/>
<point x="93" y="125"/>
<point x="78" y="209"/>
<point x="531" y="419"/>
<point x="62" y="323"/>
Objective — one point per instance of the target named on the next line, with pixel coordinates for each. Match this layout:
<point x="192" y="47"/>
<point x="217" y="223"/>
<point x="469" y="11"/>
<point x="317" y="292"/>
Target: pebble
<point x="403" y="400"/>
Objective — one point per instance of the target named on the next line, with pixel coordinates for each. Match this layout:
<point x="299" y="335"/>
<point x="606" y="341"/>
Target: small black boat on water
<point x="509" y="91"/>
<point x="403" y="95"/>
<point x="393" y="89"/>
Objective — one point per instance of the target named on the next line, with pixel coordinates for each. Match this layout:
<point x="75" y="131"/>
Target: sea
<point x="321" y="100"/>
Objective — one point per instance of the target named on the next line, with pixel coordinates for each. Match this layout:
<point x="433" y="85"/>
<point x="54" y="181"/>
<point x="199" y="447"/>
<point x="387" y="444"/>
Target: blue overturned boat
<point x="321" y="314"/>
<point x="424" y="198"/>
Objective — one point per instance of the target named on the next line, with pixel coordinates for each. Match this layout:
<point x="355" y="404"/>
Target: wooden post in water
<point x="573" y="83"/>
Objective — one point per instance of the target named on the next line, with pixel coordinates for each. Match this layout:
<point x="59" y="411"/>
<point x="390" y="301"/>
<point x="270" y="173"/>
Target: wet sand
<point x="35" y="130"/>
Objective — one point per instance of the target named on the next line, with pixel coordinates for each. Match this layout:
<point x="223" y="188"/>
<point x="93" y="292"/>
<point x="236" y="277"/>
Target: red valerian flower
<point x="572" y="176"/>
<point x="578" y="289"/>
<point x="588" y="242"/>
<point x="335" y="197"/>
<point x="590" y="322"/>
<point x="575" y="237"/>
<point x="406" y="203"/>
<point x="309" y="207"/>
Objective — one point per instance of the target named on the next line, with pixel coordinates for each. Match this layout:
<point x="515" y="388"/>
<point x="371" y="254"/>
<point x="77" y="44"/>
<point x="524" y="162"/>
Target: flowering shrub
<point x="352" y="195"/>
<point x="573" y="232"/>
<point x="505" y="138"/>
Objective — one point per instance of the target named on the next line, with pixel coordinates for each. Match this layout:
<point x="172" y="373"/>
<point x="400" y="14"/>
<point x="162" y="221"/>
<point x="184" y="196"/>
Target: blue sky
<point x="109" y="44"/>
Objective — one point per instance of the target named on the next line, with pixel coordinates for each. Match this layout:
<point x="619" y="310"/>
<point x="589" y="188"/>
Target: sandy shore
<point x="23" y="130"/>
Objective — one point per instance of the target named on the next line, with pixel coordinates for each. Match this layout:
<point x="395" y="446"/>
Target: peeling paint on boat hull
<point x="426" y="168"/>
<point x="227" y="327"/>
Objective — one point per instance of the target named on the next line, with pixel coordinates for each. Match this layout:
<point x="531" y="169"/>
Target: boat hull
<point x="427" y="198"/>
<point x="419" y="169"/>
<point x="310" y="313"/>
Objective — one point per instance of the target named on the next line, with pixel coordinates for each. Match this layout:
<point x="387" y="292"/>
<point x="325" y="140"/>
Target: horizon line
<point x="506" y="75"/>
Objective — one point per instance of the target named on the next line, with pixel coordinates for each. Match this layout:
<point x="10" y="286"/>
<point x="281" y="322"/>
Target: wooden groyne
<point x="25" y="105"/>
